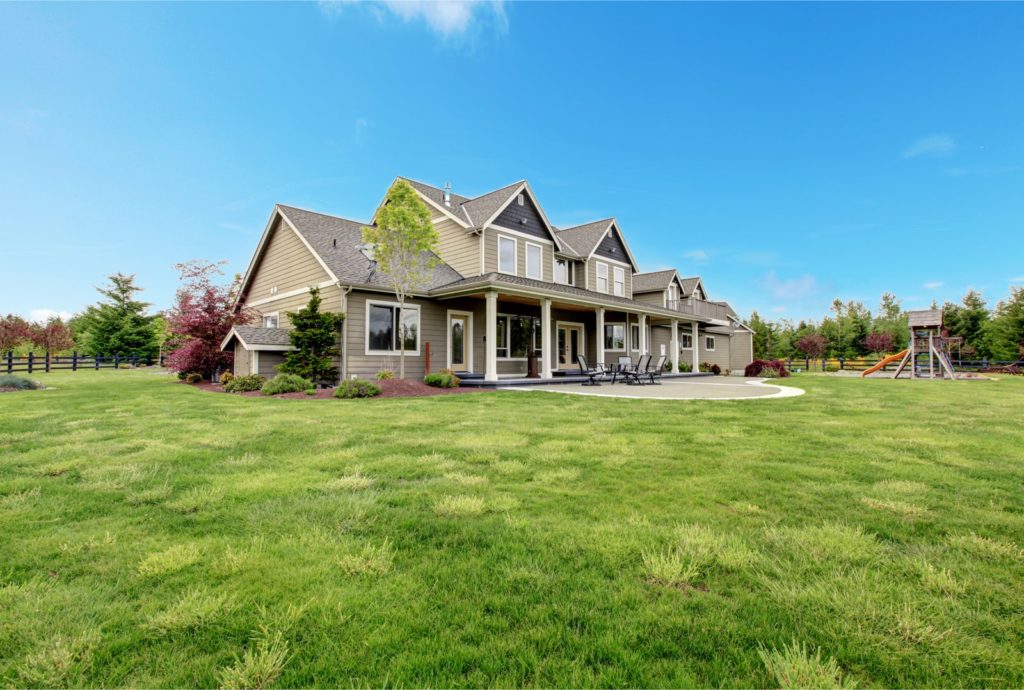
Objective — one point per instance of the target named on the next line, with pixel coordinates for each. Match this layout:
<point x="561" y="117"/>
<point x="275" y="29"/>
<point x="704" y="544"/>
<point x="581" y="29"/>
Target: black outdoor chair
<point x="593" y="373"/>
<point x="655" y="371"/>
<point x="625" y="364"/>
<point x="636" y="374"/>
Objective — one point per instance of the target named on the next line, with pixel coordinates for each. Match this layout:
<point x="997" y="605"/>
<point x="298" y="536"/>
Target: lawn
<point x="156" y="535"/>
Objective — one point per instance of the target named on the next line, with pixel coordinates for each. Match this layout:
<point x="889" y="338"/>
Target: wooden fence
<point x="33" y="363"/>
<point x="860" y="364"/>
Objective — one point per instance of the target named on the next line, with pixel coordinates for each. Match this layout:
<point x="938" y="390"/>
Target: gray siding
<point x="590" y="270"/>
<point x="720" y="355"/>
<point x="525" y="218"/>
<point x="433" y="329"/>
<point x="741" y="352"/>
<point x="491" y="254"/>
<point x="268" y="363"/>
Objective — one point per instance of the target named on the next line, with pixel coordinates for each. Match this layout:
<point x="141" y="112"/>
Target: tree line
<point x="851" y="330"/>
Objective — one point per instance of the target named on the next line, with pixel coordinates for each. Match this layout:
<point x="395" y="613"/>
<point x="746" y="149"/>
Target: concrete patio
<point x="696" y="388"/>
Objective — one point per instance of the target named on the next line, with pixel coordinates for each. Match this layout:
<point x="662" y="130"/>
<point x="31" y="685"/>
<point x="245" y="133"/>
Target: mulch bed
<point x="395" y="388"/>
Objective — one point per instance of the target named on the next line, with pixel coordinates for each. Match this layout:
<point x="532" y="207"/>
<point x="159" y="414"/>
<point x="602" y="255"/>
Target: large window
<point x="686" y="341"/>
<point x="614" y="336"/>
<point x="518" y="336"/>
<point x="506" y="255"/>
<point x="602" y="277"/>
<point x="563" y="272"/>
<point x="534" y="253"/>
<point x="387" y="325"/>
<point x="620" y="281"/>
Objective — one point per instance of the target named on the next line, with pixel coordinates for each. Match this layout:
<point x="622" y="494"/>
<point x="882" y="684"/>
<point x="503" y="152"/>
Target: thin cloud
<point x="932" y="146"/>
<point x="1018" y="279"/>
<point x="696" y="255"/>
<point x="778" y="310"/>
<point x="359" y="127"/>
<point x="790" y="288"/>
<point x="445" y="17"/>
<point x="44" y="315"/>
<point x="932" y="285"/>
<point x="981" y="172"/>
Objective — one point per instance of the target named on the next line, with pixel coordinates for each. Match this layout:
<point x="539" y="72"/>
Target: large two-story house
<point x="508" y="282"/>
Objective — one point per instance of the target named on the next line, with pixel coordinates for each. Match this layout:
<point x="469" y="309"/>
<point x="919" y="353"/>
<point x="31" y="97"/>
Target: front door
<point x="458" y="339"/>
<point x="570" y="345"/>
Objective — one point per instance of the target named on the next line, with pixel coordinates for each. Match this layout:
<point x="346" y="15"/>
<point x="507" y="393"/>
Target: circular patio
<point x="697" y="388"/>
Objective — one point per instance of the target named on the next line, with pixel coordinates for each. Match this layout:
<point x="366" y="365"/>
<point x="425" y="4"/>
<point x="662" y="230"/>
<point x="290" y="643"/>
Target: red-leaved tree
<point x="202" y="316"/>
<point x="813" y="345"/>
<point x="878" y="342"/>
<point x="14" y="330"/>
<point x="52" y="336"/>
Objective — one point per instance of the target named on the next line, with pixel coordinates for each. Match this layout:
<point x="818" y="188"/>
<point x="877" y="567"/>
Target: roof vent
<point x="448" y="194"/>
<point x="334" y="242"/>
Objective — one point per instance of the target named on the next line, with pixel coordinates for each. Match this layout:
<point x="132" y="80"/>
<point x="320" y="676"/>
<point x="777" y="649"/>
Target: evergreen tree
<point x="315" y="335"/>
<point x="1005" y="332"/>
<point x="119" y="325"/>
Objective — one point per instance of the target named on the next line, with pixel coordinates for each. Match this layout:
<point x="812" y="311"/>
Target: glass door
<point x="459" y="342"/>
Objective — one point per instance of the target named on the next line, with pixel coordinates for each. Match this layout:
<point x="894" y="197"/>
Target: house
<point x="508" y="282"/>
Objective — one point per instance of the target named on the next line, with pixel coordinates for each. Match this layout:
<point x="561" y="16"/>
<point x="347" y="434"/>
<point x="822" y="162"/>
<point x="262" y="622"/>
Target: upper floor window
<point x="563" y="272"/>
<point x="620" y="281"/>
<point x="270" y="320"/>
<point x="506" y="255"/>
<point x="602" y="277"/>
<point x="672" y="296"/>
<point x="534" y="253"/>
<point x="388" y="325"/>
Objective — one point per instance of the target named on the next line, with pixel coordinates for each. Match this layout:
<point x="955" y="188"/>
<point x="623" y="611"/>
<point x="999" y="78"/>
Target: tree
<point x="403" y="244"/>
<point x="892" y="320"/>
<point x="14" y="330"/>
<point x="52" y="336"/>
<point x="878" y="342"/>
<point x="1005" y="332"/>
<point x="813" y="345"/>
<point x="968" y="320"/>
<point x="202" y="316"/>
<point x="314" y="334"/>
<point x="119" y="325"/>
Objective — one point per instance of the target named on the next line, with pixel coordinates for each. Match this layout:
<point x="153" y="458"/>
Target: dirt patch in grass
<point x="395" y="388"/>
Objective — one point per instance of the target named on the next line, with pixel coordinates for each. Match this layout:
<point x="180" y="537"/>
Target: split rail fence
<point x="33" y="363"/>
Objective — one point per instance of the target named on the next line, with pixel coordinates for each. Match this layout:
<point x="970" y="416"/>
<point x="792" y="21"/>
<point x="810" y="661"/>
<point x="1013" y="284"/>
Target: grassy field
<point x="869" y="532"/>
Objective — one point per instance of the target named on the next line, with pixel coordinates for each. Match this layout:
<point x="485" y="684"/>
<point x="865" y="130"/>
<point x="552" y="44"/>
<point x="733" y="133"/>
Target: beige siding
<point x="590" y="269"/>
<point x="457" y="248"/>
<point x="655" y="298"/>
<point x="242" y="361"/>
<point x="330" y="301"/>
<point x="719" y="356"/>
<point x="433" y="330"/>
<point x="491" y="254"/>
<point x="286" y="264"/>
<point x="741" y="353"/>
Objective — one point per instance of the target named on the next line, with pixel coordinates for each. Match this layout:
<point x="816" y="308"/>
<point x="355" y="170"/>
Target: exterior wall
<point x="741" y="346"/>
<point x="590" y="269"/>
<point x="242" y="360"/>
<point x="286" y="264"/>
<point x="655" y="298"/>
<point x="491" y="254"/>
<point x="433" y="330"/>
<point x="268" y="362"/>
<point x="330" y="301"/>
<point x="720" y="356"/>
<point x="611" y="248"/>
<point x="514" y="215"/>
<point x="457" y="248"/>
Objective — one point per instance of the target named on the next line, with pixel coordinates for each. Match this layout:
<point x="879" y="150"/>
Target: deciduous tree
<point x="52" y="336"/>
<point x="878" y="342"/>
<point x="14" y="330"/>
<point x="813" y="345"/>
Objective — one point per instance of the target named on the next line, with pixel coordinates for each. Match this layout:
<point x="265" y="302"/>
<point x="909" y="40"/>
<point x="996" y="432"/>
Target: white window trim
<point x="277" y="319"/>
<point x="568" y="270"/>
<point x="671" y="295"/>
<point x="508" y="339"/>
<point x="618" y="271"/>
<point x="634" y="343"/>
<point x="682" y="341"/>
<point x="515" y="255"/>
<point x="625" y="345"/>
<point x="254" y="362"/>
<point x="709" y="343"/>
<point x="520" y="233"/>
<point x="468" y="336"/>
<point x="597" y="277"/>
<point x="391" y="353"/>
<point x="540" y="261"/>
<point x="557" y="365"/>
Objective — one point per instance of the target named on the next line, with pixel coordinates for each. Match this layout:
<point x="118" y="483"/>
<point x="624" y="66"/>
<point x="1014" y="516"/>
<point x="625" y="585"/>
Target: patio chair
<point x="593" y="373"/>
<point x="655" y="371"/>
<point x="624" y="364"/>
<point x="636" y="374"/>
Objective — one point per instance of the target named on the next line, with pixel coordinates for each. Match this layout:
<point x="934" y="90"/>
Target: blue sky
<point x="788" y="153"/>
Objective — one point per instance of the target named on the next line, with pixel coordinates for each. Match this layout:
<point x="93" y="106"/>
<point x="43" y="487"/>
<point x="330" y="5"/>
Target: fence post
<point x="116" y="360"/>
<point x="47" y="362"/>
<point x="807" y="362"/>
<point x="135" y="360"/>
<point x="10" y="361"/>
<point x="74" y="361"/>
<point x="31" y="358"/>
<point x="842" y="363"/>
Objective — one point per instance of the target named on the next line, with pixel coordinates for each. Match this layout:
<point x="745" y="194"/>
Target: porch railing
<point x="699" y="307"/>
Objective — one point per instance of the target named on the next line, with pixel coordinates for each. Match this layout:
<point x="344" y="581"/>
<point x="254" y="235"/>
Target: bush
<point x="758" y="366"/>
<point x="704" y="368"/>
<point x="226" y="377"/>
<point x="442" y="379"/>
<point x="242" y="384"/>
<point x="1012" y="370"/>
<point x="831" y="368"/>
<point x="124" y="365"/>
<point x="716" y="370"/>
<point x="385" y="375"/>
<point x="357" y="388"/>
<point x="19" y="383"/>
<point x="193" y="377"/>
<point x="685" y="366"/>
<point x="286" y="383"/>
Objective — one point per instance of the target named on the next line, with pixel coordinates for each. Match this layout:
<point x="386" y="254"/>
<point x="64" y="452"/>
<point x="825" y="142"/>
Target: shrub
<point x="831" y="368"/>
<point x="441" y="380"/>
<point x="242" y="384"/>
<point x="357" y="388"/>
<point x="385" y="375"/>
<point x="769" y="372"/>
<point x="226" y="377"/>
<point x="193" y="377"/>
<point x="685" y="366"/>
<point x="757" y="367"/>
<point x="286" y="383"/>
<point x="19" y="383"/>
<point x="455" y="377"/>
<point x="716" y="370"/>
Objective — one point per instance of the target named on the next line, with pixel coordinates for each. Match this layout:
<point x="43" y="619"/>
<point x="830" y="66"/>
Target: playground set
<point x="928" y="356"/>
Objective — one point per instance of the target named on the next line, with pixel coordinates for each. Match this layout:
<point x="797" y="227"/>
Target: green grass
<point x="868" y="533"/>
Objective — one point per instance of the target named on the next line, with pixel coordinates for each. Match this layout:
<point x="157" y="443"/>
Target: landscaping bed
<point x="395" y="388"/>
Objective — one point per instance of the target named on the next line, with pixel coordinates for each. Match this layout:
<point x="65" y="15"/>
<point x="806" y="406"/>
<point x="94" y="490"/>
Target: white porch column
<point x="600" y="335"/>
<point x="643" y="334"/>
<point x="675" y="346"/>
<point x="491" y="330"/>
<point x="545" y="338"/>
<point x="696" y="346"/>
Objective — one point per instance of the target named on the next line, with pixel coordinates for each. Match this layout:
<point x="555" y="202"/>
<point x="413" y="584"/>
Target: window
<point x="520" y="200"/>
<point x="563" y="272"/>
<point x="686" y="341"/>
<point x="709" y="343"/>
<point x="672" y="298"/>
<point x="518" y="336"/>
<point x="602" y="277"/>
<point x="615" y="336"/>
<point x="386" y="324"/>
<point x="634" y="336"/>
<point x="270" y="320"/>
<point x="620" y="281"/>
<point x="534" y="253"/>
<point x="506" y="255"/>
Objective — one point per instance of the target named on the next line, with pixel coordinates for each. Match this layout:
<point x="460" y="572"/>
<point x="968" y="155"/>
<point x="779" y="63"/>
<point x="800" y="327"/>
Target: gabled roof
<point x="484" y="208"/>
<point x="583" y="239"/>
<point x="255" y="338"/>
<point x="655" y="281"/>
<point x="690" y="284"/>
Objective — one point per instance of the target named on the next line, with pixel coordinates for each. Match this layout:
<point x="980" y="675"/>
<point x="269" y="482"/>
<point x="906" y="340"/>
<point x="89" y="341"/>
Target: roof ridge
<point x="320" y="213"/>
<point x="609" y="219"/>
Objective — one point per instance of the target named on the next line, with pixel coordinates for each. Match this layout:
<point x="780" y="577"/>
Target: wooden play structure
<point x="928" y="354"/>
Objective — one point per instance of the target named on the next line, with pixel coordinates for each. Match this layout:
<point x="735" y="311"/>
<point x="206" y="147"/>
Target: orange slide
<point x="888" y="360"/>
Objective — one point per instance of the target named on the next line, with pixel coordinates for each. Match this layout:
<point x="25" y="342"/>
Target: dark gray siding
<point x="611" y="248"/>
<point x="514" y="215"/>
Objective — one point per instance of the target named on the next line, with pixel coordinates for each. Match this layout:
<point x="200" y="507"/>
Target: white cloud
<point x="44" y="315"/>
<point x="446" y="17"/>
<point x="933" y="146"/>
<point x="1018" y="279"/>
<point x="778" y="310"/>
<point x="696" y="255"/>
<point x="790" y="288"/>
<point x="932" y="285"/>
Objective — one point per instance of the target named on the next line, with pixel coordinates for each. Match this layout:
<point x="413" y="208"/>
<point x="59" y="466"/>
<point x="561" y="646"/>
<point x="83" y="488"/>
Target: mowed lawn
<point x="155" y="535"/>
